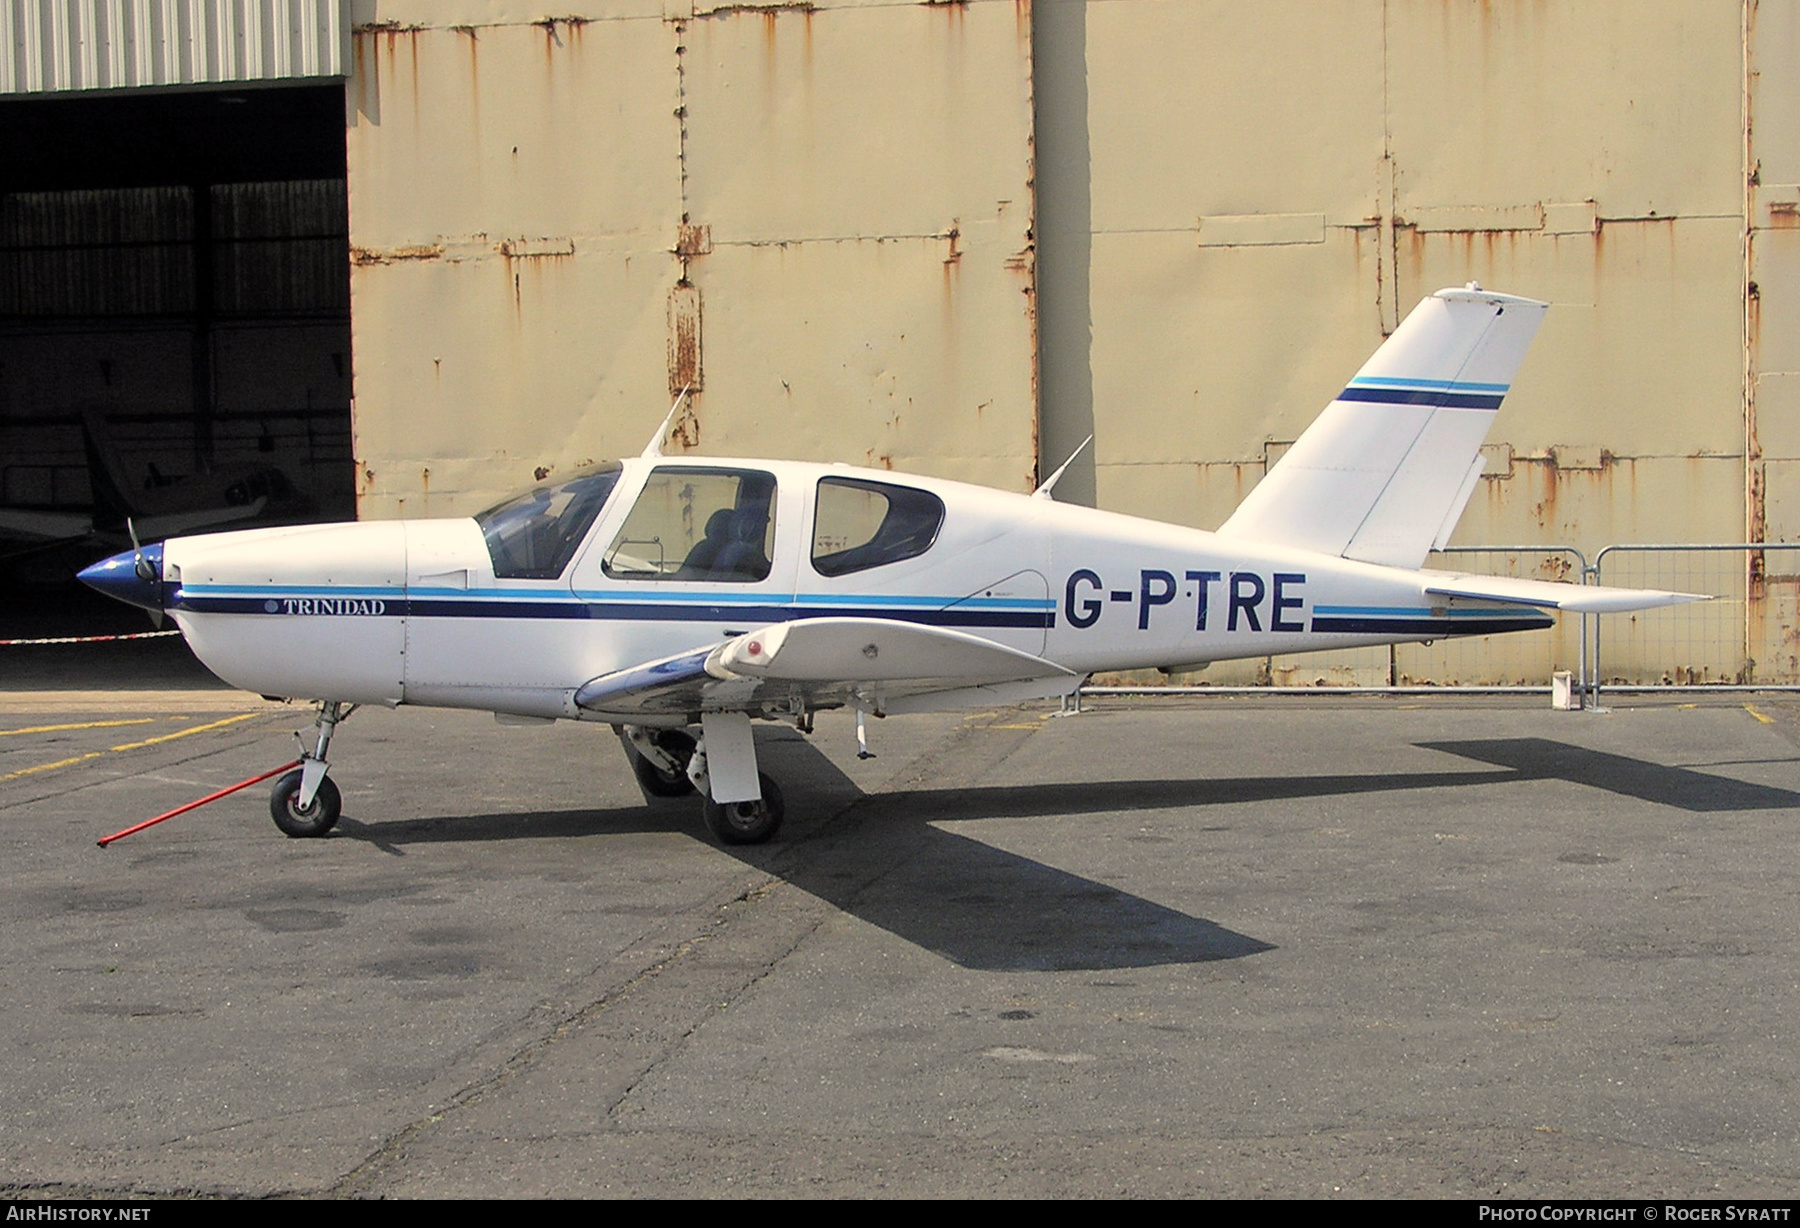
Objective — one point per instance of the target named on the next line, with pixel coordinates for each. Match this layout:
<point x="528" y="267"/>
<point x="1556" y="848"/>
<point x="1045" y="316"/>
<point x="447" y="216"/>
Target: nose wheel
<point x="314" y="819"/>
<point x="306" y="802"/>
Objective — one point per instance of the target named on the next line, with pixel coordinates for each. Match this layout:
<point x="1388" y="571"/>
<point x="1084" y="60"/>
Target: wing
<point x="1546" y="594"/>
<point x="871" y="663"/>
<point x="177" y="524"/>
<point x="44" y="526"/>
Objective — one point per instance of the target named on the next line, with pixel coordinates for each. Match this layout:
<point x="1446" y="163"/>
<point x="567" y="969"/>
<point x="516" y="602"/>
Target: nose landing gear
<point x="302" y="822"/>
<point x="306" y="803"/>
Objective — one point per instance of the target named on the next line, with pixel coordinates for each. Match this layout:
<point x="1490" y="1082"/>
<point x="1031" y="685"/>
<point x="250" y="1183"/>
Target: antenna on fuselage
<point x="1043" y="492"/>
<point x="654" y="451"/>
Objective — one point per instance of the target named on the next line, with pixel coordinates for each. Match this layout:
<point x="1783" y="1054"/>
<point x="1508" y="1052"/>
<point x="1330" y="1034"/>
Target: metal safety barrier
<point x="1744" y="639"/>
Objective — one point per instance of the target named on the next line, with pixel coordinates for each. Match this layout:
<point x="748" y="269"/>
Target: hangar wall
<point x="864" y="231"/>
<point x="1267" y="202"/>
<point x="815" y="217"/>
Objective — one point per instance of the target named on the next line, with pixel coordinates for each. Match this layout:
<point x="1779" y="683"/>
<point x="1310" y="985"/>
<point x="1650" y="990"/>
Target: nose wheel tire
<point x="746" y="822"/>
<point x="655" y="781"/>
<point x="303" y="823"/>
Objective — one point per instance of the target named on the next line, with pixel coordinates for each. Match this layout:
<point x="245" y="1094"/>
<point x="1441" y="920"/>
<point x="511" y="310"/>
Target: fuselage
<point x="684" y="553"/>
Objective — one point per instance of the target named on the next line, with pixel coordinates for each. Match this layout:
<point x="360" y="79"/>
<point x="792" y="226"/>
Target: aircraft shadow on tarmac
<point x="1683" y="788"/>
<point x="979" y="906"/>
<point x="886" y="862"/>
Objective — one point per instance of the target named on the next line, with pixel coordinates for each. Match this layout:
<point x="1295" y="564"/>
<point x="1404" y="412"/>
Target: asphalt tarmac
<point x="1316" y="947"/>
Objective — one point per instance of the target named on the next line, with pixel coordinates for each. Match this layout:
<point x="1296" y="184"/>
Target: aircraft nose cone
<point x="119" y="577"/>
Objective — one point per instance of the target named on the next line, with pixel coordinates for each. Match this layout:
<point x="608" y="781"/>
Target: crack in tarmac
<point x="381" y="1165"/>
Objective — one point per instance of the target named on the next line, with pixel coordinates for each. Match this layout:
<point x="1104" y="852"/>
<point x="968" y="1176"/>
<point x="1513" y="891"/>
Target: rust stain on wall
<point x="554" y="29"/>
<point x="692" y="240"/>
<point x="686" y="373"/>
<point x="395" y="255"/>
<point x="732" y="10"/>
<point x="390" y="33"/>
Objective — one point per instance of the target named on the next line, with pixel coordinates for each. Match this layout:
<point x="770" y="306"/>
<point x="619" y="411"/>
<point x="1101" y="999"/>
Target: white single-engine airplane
<point x="678" y="599"/>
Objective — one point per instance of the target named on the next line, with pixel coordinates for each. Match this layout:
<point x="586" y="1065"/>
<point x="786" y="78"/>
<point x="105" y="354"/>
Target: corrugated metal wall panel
<point x="56" y="46"/>
<point x="102" y="252"/>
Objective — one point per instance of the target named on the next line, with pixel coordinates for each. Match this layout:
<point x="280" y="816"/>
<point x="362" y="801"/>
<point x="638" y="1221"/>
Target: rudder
<point x="1384" y="473"/>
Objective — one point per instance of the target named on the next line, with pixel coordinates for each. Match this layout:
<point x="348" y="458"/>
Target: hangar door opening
<point x="174" y="319"/>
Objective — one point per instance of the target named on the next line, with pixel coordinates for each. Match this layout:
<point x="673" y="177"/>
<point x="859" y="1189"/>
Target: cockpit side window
<point x="714" y="525"/>
<point x="534" y="535"/>
<point x="860" y="524"/>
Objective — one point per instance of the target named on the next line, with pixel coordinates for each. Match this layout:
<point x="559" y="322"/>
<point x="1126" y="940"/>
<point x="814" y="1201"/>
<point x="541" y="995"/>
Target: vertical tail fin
<point x="1383" y="474"/>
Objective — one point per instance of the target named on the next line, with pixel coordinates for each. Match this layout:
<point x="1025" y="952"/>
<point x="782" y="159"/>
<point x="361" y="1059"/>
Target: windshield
<point x="534" y="535"/>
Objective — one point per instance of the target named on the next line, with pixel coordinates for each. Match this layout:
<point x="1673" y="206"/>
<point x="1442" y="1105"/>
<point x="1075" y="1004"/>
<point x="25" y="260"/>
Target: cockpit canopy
<point x="533" y="536"/>
<point x="707" y="523"/>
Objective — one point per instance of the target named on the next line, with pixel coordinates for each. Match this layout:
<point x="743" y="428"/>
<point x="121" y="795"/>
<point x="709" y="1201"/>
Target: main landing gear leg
<point x="306" y="801"/>
<point x="742" y="805"/>
<point x="659" y="759"/>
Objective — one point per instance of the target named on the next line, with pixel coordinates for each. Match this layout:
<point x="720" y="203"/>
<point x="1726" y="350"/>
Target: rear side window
<point x="860" y="524"/>
<point x="534" y="535"/>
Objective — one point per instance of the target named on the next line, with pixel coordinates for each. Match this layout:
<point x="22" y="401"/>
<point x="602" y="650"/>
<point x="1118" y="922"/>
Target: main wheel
<point x="746" y="822"/>
<point x="656" y="782"/>
<point x="313" y="820"/>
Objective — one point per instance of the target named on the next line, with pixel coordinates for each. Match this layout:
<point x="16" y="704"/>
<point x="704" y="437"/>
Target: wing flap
<point x="878" y="650"/>
<point x="1550" y="595"/>
<point x="828" y="662"/>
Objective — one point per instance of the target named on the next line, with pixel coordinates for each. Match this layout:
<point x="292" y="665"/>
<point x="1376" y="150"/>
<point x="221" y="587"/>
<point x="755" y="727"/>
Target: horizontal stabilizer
<point x="1386" y="470"/>
<point x="1550" y="595"/>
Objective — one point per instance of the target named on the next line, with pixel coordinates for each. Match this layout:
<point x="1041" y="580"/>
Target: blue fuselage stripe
<point x="1423" y="396"/>
<point x="1433" y="628"/>
<point x="1409" y="611"/>
<point x="392" y="603"/>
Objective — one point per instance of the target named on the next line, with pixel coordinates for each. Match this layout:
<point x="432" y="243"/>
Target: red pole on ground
<point x="210" y="797"/>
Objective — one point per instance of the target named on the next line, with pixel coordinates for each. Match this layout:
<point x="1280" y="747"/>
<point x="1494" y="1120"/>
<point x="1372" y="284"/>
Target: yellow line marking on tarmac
<point x="95" y="754"/>
<point x="46" y="767"/>
<point x="136" y="720"/>
<point x="169" y="737"/>
<point x="1767" y="720"/>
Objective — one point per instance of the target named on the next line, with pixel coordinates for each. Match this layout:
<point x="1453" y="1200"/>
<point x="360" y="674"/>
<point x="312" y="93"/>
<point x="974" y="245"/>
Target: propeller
<point x="144" y="570"/>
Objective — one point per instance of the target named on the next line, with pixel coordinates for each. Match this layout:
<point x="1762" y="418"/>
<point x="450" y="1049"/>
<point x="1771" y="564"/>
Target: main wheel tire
<point x="746" y="822"/>
<point x="314" y="820"/>
<point x="655" y="781"/>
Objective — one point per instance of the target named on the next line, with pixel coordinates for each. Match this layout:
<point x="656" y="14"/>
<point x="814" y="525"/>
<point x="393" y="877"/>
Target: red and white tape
<point x="89" y="639"/>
